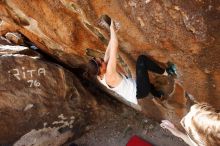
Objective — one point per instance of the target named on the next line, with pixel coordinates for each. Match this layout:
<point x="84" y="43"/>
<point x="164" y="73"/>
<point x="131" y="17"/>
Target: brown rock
<point x="14" y="37"/>
<point x="4" y="41"/>
<point x="44" y="137"/>
<point x="186" y="32"/>
<point x="35" y="92"/>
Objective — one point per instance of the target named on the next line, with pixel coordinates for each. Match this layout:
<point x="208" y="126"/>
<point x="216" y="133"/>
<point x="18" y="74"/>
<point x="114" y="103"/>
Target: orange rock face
<point x="184" y="32"/>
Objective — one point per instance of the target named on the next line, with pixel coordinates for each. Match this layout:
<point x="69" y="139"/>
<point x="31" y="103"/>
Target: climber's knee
<point x="141" y="62"/>
<point x="141" y="58"/>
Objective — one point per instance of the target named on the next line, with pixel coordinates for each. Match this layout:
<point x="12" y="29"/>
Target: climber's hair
<point x="93" y="67"/>
<point x="202" y="125"/>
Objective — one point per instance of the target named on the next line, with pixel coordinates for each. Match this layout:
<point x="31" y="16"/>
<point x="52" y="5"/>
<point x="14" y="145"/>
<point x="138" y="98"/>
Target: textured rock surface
<point x="44" y="137"/>
<point x="36" y="94"/>
<point x="185" y="32"/>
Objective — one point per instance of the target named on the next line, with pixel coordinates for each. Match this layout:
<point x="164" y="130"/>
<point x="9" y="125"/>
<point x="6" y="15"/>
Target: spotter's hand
<point x="169" y="126"/>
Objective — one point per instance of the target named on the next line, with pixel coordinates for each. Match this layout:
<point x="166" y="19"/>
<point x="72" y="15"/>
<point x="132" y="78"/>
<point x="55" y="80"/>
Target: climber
<point x="107" y="73"/>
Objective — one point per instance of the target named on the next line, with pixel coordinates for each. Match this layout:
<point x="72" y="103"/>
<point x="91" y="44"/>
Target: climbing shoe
<point x="171" y="69"/>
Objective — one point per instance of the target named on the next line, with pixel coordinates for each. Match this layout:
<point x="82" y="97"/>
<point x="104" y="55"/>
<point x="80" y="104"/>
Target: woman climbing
<point x="130" y="89"/>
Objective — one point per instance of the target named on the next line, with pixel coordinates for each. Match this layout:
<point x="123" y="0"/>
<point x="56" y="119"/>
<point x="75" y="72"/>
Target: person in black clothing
<point x="106" y="71"/>
<point x="144" y="86"/>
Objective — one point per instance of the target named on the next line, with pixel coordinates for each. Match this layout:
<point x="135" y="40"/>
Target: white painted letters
<point x="31" y="72"/>
<point x="41" y="71"/>
<point x="17" y="74"/>
<point x="29" y="75"/>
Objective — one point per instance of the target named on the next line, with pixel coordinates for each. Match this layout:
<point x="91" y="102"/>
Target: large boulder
<point x="185" y="32"/>
<point x="36" y="93"/>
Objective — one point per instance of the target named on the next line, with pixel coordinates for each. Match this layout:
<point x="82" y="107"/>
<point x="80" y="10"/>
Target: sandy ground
<point x="118" y="128"/>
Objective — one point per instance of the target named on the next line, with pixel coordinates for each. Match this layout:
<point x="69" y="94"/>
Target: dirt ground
<point x="118" y="128"/>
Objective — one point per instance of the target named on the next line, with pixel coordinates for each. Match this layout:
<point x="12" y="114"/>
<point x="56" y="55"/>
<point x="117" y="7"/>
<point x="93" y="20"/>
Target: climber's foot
<point x="171" y="69"/>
